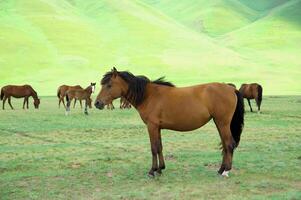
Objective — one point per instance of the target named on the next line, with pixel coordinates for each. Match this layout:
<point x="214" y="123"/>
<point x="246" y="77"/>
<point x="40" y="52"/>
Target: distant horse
<point x="252" y="91"/>
<point x="24" y="91"/>
<point x="161" y="105"/>
<point x="110" y="106"/>
<point x="124" y="103"/>
<point x="61" y="93"/>
<point x="231" y="84"/>
<point x="80" y="94"/>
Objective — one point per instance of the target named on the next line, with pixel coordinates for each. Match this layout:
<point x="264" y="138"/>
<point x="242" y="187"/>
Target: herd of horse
<point x="162" y="105"/>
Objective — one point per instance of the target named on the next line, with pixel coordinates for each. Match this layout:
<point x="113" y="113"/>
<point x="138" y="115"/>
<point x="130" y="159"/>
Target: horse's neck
<point x="147" y="96"/>
<point x="34" y="94"/>
<point x="89" y="90"/>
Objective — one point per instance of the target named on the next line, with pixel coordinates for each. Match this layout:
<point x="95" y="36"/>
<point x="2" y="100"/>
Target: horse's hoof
<point x="151" y="175"/>
<point x="158" y="173"/>
<point x="225" y="174"/>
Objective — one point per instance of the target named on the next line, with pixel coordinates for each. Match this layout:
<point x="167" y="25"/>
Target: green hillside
<point x="48" y="43"/>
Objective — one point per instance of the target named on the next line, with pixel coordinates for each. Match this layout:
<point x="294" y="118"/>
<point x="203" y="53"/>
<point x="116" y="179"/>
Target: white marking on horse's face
<point x="93" y="88"/>
<point x="225" y="173"/>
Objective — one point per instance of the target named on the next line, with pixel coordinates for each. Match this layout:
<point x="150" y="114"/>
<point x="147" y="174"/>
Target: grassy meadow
<point x="106" y="155"/>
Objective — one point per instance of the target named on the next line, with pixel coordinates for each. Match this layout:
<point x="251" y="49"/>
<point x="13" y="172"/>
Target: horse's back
<point x="17" y="91"/>
<point x="250" y="91"/>
<point x="77" y="93"/>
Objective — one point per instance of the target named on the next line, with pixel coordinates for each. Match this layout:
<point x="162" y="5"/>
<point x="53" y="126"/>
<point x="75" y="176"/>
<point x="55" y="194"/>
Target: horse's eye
<point x="109" y="86"/>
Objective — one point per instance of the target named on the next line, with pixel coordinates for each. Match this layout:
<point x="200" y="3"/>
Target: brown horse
<point x="61" y="93"/>
<point x="24" y="91"/>
<point x="80" y="94"/>
<point x="161" y="105"/>
<point x="124" y="103"/>
<point x="252" y="91"/>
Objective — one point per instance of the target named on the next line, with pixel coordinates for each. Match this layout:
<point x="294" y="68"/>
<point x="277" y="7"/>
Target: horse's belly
<point x="185" y="121"/>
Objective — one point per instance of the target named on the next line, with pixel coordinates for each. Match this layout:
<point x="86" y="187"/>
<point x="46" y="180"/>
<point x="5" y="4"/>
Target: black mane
<point x="136" y="84"/>
<point x="161" y="81"/>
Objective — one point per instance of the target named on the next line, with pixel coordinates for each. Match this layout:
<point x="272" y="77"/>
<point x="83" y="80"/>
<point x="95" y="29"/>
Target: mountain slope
<point x="77" y="41"/>
<point x="48" y="43"/>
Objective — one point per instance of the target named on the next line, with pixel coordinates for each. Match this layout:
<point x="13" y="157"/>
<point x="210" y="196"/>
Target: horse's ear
<point x="114" y="71"/>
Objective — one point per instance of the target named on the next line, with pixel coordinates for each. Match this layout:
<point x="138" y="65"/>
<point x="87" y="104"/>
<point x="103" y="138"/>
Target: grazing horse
<point x="61" y="93"/>
<point x="252" y="91"/>
<point x="24" y="91"/>
<point x="124" y="103"/>
<point x="161" y="105"/>
<point x="80" y="94"/>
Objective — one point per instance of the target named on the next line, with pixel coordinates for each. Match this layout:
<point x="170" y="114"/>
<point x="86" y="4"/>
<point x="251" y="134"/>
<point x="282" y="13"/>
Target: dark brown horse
<point x="161" y="105"/>
<point x="124" y="103"/>
<point x="252" y="91"/>
<point x="61" y="93"/>
<point x="80" y="94"/>
<point x="24" y="91"/>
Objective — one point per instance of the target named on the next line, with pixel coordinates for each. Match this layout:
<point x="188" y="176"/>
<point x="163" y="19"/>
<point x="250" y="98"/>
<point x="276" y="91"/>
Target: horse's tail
<point x="59" y="92"/>
<point x="2" y="93"/>
<point x="237" y="122"/>
<point x="259" y="90"/>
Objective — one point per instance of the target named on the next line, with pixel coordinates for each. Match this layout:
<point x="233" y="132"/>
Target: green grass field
<point x="106" y="155"/>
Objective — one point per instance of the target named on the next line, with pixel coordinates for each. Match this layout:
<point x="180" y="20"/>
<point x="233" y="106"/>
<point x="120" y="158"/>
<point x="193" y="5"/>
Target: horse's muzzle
<point x="99" y="104"/>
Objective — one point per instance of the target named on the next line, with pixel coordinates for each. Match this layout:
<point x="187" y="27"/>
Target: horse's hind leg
<point x="250" y="105"/>
<point x="3" y="103"/>
<point x="74" y="103"/>
<point x="228" y="145"/>
<point x="9" y="102"/>
<point x="62" y="99"/>
<point x="258" y="102"/>
<point x="81" y="105"/>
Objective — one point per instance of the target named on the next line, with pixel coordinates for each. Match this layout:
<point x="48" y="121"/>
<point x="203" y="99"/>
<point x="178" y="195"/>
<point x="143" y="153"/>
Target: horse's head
<point x="36" y="103"/>
<point x="93" y="87"/>
<point x="112" y="87"/>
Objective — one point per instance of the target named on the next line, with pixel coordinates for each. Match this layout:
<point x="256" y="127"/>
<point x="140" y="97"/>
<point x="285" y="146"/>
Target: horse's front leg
<point x="27" y="103"/>
<point x="153" y="131"/>
<point x="24" y="102"/>
<point x="68" y="105"/>
<point x="86" y="108"/>
<point x="160" y="153"/>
